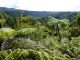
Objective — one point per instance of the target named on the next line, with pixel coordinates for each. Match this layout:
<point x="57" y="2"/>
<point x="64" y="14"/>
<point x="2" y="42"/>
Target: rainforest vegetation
<point x="46" y="38"/>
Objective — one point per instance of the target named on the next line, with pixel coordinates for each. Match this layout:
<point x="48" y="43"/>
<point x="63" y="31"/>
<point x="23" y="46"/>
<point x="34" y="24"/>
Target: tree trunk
<point x="58" y="33"/>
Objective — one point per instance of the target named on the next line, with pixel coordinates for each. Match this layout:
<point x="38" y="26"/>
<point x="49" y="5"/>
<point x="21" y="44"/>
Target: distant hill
<point x="39" y="14"/>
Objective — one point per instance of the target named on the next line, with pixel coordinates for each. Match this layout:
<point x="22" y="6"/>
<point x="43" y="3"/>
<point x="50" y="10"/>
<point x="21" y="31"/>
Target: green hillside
<point x="29" y="35"/>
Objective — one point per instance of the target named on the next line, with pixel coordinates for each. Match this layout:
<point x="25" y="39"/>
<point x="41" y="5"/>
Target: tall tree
<point x="54" y="23"/>
<point x="78" y="19"/>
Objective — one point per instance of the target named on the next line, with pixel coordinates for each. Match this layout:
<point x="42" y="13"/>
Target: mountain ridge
<point x="60" y="15"/>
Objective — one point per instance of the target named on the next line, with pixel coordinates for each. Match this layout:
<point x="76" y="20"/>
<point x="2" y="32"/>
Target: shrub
<point x="6" y="33"/>
<point x="30" y="54"/>
<point x="71" y="48"/>
<point x="75" y="46"/>
<point x="22" y="43"/>
<point x="25" y="32"/>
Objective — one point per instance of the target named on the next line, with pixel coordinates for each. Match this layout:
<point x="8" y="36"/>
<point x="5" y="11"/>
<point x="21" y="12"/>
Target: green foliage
<point x="24" y="43"/>
<point x="64" y="23"/>
<point x="65" y="33"/>
<point x="26" y="19"/>
<point x="78" y="18"/>
<point x="75" y="31"/>
<point x="25" y="32"/>
<point x="2" y="21"/>
<point x="22" y="22"/>
<point x="52" y="22"/>
<point x="75" y="45"/>
<point x="6" y="33"/>
<point x="29" y="54"/>
<point x="74" y="23"/>
<point x="38" y="39"/>
<point x="71" y="48"/>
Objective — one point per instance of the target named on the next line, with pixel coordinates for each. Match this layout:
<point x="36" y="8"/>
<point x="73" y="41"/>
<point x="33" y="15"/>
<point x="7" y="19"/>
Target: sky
<point x="42" y="5"/>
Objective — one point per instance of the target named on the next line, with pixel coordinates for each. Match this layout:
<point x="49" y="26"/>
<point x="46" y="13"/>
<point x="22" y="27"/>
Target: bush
<point x="25" y="32"/>
<point x="75" y="46"/>
<point x="32" y="33"/>
<point x="71" y="48"/>
<point x="30" y="54"/>
<point x="6" y="33"/>
<point x="24" y="44"/>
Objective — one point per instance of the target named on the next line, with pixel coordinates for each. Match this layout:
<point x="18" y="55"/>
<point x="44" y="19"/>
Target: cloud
<point x="8" y="3"/>
<point x="43" y="5"/>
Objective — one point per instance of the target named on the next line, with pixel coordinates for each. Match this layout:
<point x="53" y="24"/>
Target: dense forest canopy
<point x="33" y="35"/>
<point x="39" y="14"/>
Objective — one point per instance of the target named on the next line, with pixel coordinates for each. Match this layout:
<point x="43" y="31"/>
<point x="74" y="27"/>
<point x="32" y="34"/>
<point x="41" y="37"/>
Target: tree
<point x="54" y="23"/>
<point x="64" y="23"/>
<point x="22" y="22"/>
<point x="78" y="19"/>
<point x="73" y="23"/>
<point x="57" y="25"/>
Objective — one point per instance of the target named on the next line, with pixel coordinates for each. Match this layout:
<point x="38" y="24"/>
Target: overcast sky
<point x="42" y="5"/>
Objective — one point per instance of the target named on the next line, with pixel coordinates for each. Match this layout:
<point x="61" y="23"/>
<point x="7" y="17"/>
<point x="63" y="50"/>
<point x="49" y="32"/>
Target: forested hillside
<point x="39" y="14"/>
<point x="29" y="35"/>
